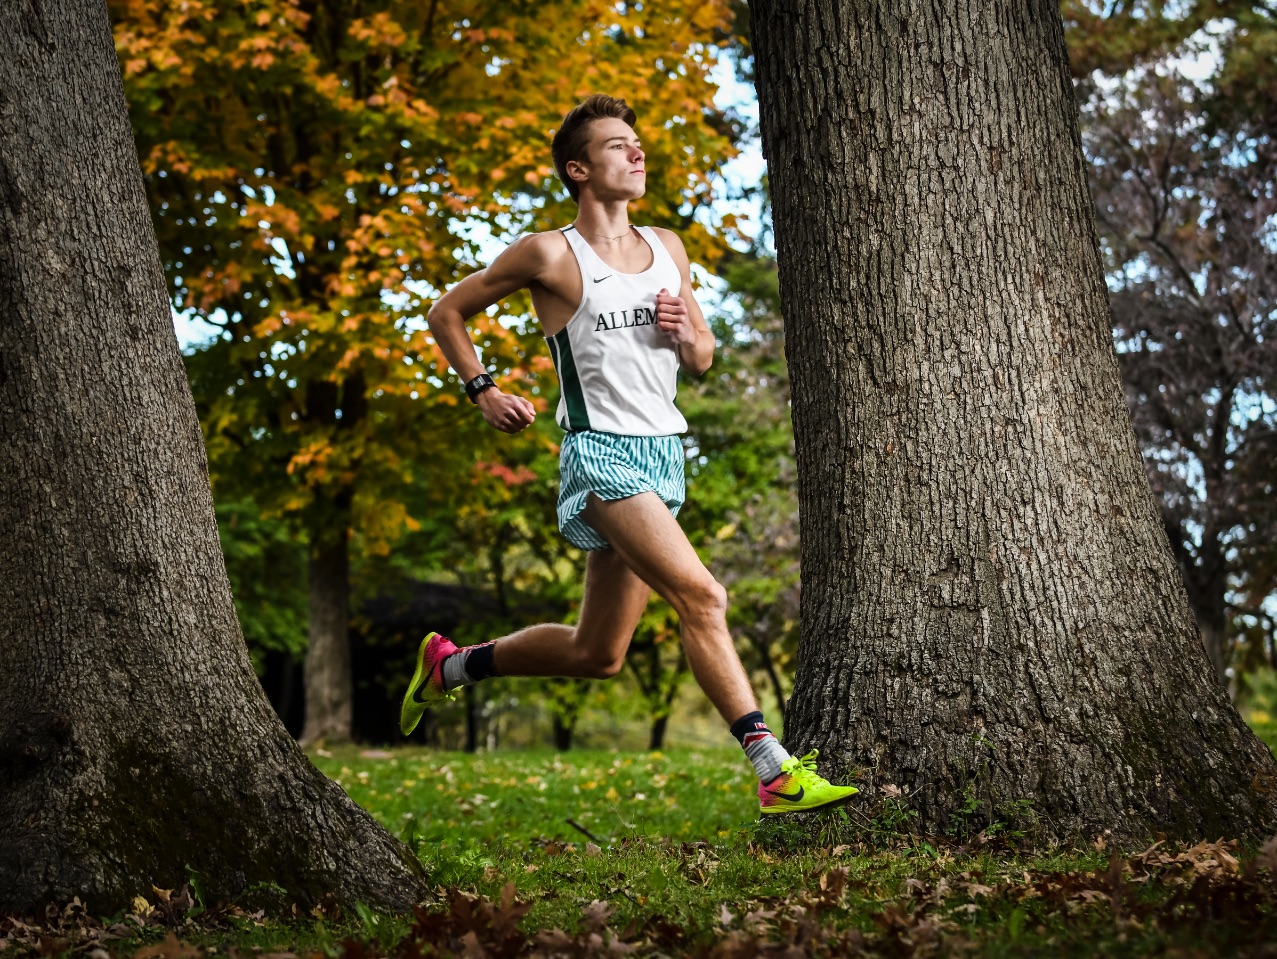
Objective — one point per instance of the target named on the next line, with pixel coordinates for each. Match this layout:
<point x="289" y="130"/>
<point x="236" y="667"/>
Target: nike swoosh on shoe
<point x="792" y="797"/>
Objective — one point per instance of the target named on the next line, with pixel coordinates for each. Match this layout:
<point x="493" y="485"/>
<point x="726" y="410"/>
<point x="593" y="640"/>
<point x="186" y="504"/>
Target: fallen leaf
<point x="170" y="948"/>
<point x="554" y="939"/>
<point x="596" y="914"/>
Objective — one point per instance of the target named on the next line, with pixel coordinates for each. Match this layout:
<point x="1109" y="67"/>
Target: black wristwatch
<point x="477" y="385"/>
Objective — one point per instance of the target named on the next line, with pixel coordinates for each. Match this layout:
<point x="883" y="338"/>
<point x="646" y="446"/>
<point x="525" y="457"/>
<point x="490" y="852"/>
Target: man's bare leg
<point x="593" y="649"/>
<point x="648" y="549"/>
<point x="652" y="544"/>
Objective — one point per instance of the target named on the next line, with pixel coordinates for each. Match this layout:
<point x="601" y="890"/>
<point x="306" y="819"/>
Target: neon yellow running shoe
<point x="799" y="788"/>
<point x="426" y="688"/>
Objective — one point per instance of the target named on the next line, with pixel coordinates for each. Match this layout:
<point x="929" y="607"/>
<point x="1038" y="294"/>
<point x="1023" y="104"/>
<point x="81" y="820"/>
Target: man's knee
<point x="598" y="656"/>
<point x="703" y="597"/>
<point x="608" y="668"/>
<point x="597" y="664"/>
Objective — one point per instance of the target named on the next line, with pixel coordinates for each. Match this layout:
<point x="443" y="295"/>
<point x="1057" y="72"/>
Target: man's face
<point x="615" y="168"/>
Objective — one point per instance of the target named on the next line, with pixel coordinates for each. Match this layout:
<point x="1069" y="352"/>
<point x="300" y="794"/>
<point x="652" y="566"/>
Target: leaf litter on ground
<point x="1205" y="883"/>
<point x="757" y="892"/>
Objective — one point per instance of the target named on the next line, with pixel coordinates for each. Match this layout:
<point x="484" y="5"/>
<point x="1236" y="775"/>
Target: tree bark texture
<point x="135" y="740"/>
<point x="330" y="688"/>
<point x="990" y="609"/>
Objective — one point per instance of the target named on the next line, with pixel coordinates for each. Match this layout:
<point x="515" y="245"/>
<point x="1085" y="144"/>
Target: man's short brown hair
<point x="573" y="136"/>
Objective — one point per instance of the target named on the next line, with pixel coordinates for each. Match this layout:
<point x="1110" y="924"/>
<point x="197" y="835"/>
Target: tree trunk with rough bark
<point x="135" y="739"/>
<point x="990" y="607"/>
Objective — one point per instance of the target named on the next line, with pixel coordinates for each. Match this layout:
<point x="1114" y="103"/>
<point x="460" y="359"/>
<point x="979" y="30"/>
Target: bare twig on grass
<point x="585" y="832"/>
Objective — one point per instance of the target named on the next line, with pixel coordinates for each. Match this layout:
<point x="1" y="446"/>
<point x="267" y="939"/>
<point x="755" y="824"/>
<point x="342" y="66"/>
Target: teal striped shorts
<point x="612" y="466"/>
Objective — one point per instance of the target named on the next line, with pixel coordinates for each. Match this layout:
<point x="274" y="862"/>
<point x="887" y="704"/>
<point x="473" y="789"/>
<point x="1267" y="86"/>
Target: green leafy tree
<point x="1181" y="175"/>
<point x="267" y="570"/>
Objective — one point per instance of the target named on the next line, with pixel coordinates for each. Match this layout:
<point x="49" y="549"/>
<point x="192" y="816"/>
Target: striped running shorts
<point x="614" y="467"/>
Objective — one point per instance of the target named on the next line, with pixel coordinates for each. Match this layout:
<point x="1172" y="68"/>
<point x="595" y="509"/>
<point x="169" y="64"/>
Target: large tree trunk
<point x="135" y="739"/>
<point x="989" y="602"/>
<point x="330" y="688"/>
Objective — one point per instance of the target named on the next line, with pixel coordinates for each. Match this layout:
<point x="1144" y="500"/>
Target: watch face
<point x="478" y="385"/>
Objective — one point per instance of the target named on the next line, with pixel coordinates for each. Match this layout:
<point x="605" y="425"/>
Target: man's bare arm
<point x="519" y="264"/>
<point x="681" y="317"/>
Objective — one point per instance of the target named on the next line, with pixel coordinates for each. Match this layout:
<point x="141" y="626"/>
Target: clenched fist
<point x="505" y="411"/>
<point x="672" y="318"/>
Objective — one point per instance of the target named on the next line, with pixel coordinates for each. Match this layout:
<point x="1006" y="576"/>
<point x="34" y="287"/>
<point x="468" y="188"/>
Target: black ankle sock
<point x="749" y="723"/>
<point x="479" y="662"/>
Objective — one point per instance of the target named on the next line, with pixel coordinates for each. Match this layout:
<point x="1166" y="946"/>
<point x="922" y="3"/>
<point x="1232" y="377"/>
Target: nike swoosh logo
<point x="416" y="694"/>
<point x="602" y="278"/>
<point x="792" y="797"/>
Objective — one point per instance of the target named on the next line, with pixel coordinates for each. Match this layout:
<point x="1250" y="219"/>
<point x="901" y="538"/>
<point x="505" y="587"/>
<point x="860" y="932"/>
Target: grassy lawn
<point x="524" y="799"/>
<point x="598" y="852"/>
<point x="678" y="855"/>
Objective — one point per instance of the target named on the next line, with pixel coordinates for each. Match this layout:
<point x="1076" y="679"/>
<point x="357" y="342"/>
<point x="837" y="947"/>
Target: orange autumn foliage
<point x="316" y="178"/>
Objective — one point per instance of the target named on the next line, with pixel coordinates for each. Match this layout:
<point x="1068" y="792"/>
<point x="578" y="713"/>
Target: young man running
<point x="615" y="303"/>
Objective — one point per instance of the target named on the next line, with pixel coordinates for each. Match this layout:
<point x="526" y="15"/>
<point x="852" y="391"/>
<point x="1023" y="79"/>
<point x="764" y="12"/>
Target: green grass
<point x="681" y="865"/>
<point x="682" y="847"/>
<point x="1259" y="705"/>
<point x="455" y="801"/>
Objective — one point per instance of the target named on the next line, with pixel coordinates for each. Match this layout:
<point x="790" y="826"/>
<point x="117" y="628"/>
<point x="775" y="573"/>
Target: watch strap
<point x="477" y="385"/>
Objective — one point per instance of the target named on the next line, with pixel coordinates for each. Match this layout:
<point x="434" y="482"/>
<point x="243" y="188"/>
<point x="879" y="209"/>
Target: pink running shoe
<point x="799" y="788"/>
<point x="426" y="688"/>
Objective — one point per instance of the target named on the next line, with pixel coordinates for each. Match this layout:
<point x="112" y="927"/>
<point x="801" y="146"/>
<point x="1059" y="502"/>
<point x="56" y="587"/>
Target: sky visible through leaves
<point x="743" y="172"/>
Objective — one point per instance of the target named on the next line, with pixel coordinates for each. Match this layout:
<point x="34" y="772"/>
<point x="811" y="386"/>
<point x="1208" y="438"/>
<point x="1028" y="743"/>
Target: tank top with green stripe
<point x="617" y="369"/>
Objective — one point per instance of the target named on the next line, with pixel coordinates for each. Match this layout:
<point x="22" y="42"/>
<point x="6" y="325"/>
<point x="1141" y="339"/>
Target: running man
<point x="615" y="304"/>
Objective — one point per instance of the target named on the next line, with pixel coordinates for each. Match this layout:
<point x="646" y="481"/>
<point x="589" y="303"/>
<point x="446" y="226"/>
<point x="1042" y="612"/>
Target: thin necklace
<point x="600" y="236"/>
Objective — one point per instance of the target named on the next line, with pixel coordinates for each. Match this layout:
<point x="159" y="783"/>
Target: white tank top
<point x="617" y="370"/>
